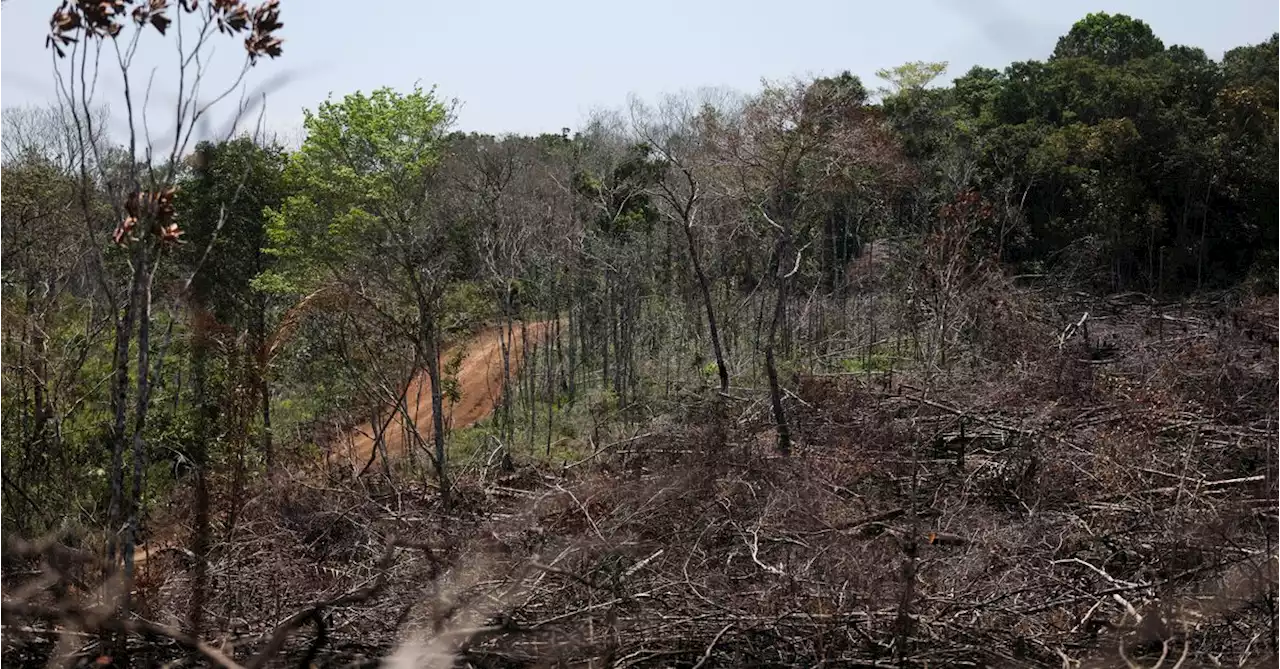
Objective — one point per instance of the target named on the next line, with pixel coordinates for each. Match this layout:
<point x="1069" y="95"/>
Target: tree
<point x="363" y="219"/>
<point x="785" y="156"/>
<point x="678" y="132"/>
<point x="139" y="185"/>
<point x="223" y="198"/>
<point x="51" y="330"/>
<point x="913" y="76"/>
<point x="914" y="110"/>
<point x="1108" y="39"/>
<point x="499" y="200"/>
<point x="613" y="184"/>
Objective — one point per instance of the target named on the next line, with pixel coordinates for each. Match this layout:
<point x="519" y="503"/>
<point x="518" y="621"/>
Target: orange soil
<point x="480" y="383"/>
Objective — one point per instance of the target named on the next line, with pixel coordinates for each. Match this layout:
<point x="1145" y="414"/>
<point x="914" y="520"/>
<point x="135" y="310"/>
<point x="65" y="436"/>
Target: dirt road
<point x="480" y="384"/>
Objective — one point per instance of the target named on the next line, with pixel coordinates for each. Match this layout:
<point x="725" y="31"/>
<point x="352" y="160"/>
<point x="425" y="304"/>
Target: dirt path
<point x="480" y="383"/>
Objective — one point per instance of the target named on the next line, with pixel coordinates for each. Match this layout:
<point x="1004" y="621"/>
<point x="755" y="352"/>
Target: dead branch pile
<point x="1111" y="501"/>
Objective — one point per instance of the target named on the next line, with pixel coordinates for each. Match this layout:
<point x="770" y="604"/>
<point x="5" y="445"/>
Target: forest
<point x="903" y="373"/>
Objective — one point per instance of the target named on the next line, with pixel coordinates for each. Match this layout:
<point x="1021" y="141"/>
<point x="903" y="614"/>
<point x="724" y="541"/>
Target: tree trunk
<point x="531" y="365"/>
<point x="571" y="328"/>
<point x="40" y="412"/>
<point x="437" y="410"/>
<point x="264" y="388"/>
<point x="140" y="411"/>
<point x="205" y="418"/>
<point x="428" y="345"/>
<point x="771" y="367"/>
<point x="704" y="286"/>
<point x="119" y="407"/>
<point x="508" y="399"/>
<point x="549" y="343"/>
<point x="604" y="338"/>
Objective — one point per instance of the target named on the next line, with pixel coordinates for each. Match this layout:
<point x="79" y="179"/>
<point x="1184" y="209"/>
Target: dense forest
<point x="967" y="373"/>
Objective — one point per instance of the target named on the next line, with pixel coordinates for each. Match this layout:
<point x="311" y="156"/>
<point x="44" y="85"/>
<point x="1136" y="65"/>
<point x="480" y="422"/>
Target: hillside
<point x="967" y="370"/>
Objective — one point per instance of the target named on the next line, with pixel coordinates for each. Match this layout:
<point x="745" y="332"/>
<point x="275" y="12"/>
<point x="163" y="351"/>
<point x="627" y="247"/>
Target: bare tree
<point x="139" y="187"/>
<point x="792" y="146"/>
<point x="47" y="286"/>
<point x="481" y="171"/>
<point x="678" y="132"/>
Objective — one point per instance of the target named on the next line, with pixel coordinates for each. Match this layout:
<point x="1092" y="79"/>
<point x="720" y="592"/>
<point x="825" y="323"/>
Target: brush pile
<point x="1108" y="495"/>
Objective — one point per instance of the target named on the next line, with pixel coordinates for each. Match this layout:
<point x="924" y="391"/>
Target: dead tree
<point x="793" y="147"/>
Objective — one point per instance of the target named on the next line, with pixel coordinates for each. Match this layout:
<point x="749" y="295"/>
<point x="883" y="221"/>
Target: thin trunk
<point x="428" y="345"/>
<point x="119" y="406"/>
<point x="205" y="418"/>
<point x="551" y="390"/>
<point x="627" y="332"/>
<point x="380" y="438"/>
<point x="704" y="286"/>
<point x="238" y="432"/>
<point x="264" y="388"/>
<point x="572" y="352"/>
<point x="617" y="347"/>
<point x="771" y="367"/>
<point x="508" y="399"/>
<point x="504" y="346"/>
<point x="140" y="412"/>
<point x="410" y="426"/>
<point x="39" y="346"/>
<point x="437" y="410"/>
<point x="603" y="328"/>
<point x="532" y="374"/>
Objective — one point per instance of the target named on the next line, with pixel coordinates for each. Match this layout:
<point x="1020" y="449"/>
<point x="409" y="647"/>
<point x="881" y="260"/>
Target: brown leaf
<point x="161" y="22"/>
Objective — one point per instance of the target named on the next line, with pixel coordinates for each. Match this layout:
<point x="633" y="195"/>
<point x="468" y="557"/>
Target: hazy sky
<point x="543" y="65"/>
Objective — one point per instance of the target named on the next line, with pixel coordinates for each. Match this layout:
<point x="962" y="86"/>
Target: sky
<point x="530" y="67"/>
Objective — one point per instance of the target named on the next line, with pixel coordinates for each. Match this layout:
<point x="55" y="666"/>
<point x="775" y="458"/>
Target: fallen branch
<point x="277" y="639"/>
<point x="958" y="412"/>
<point x="90" y="621"/>
<point x="706" y="654"/>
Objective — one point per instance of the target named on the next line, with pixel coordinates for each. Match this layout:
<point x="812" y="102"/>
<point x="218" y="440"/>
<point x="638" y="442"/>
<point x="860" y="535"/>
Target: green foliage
<point x="623" y="205"/>
<point x="223" y="197"/>
<point x="876" y="362"/>
<point x="1153" y="155"/>
<point x="465" y="306"/>
<point x="360" y="185"/>
<point x="1108" y="39"/>
<point x="845" y="92"/>
<point x="452" y="386"/>
<point x="907" y="77"/>
<point x="1151" y="168"/>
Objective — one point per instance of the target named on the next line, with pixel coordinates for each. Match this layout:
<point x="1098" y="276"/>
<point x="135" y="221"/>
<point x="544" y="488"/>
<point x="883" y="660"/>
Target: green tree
<point x="1109" y="39"/>
<point x="48" y="351"/>
<point x="362" y="219"/>
<point x="911" y="76"/>
<point x="222" y="198"/>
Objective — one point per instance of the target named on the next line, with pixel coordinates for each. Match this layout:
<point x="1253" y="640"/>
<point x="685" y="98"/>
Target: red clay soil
<point x="480" y="381"/>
